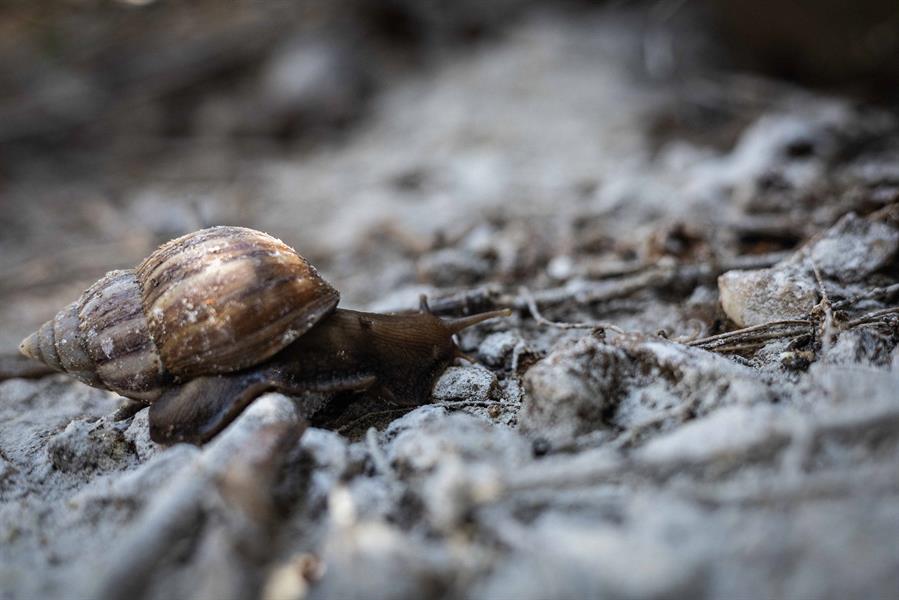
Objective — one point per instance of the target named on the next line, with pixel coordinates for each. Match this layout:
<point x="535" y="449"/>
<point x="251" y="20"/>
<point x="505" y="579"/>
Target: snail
<point x="213" y="319"/>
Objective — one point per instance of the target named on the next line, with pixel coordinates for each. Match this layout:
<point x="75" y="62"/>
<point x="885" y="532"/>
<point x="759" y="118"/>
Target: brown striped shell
<point x="214" y="301"/>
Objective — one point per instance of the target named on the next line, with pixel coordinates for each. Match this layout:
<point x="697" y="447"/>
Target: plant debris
<point x="694" y="396"/>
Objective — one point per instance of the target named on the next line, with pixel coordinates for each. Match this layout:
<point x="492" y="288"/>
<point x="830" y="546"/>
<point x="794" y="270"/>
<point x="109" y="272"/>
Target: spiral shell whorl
<point x="226" y="298"/>
<point x="37" y="344"/>
<point x="102" y="339"/>
<point x="57" y="344"/>
<point x="113" y="332"/>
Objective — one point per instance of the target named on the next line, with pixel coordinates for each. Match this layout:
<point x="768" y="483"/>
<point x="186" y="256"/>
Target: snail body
<point x="211" y="320"/>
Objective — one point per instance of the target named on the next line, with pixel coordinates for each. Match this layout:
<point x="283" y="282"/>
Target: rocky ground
<point x="696" y="394"/>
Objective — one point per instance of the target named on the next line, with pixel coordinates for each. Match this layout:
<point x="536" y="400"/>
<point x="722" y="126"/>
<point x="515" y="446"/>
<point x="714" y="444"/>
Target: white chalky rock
<point x="850" y="250"/>
<point x="765" y="295"/>
<point x="854" y="248"/>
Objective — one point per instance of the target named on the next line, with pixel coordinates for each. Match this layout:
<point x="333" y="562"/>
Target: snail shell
<point x="214" y="301"/>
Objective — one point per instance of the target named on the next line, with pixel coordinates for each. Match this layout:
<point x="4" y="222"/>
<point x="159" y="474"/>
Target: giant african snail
<point x="211" y="320"/>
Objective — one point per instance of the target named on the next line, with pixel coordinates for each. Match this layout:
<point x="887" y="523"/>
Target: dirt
<point x="660" y="417"/>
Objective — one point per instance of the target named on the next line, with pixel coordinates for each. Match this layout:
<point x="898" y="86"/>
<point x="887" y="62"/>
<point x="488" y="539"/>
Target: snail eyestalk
<point x="459" y="323"/>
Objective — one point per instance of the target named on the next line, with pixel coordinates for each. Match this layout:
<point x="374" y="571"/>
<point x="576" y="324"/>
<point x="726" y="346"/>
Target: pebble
<point x="465" y="384"/>
<point x="496" y="347"/>
<point x="854" y="248"/>
<point x="569" y="392"/>
<point x="849" y="251"/>
<point x="85" y="444"/>
<point x="764" y="295"/>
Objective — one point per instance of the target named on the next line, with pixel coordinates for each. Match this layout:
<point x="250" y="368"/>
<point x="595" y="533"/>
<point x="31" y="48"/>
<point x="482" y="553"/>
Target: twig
<point x="753" y="345"/>
<point x="535" y="313"/>
<point x="17" y="365"/>
<point x="751" y="337"/>
<point x="828" y="331"/>
<point x="880" y="292"/>
<point x="741" y="334"/>
<point x="602" y="288"/>
<point x="819" y="279"/>
<point x="873" y="316"/>
<point x="469" y="301"/>
<point x="238" y="469"/>
<point x="468" y="404"/>
<point x="372" y="415"/>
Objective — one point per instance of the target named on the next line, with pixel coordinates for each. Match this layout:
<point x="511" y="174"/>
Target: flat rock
<point x="571" y="391"/>
<point x="726" y="431"/>
<point x="849" y="251"/>
<point x="764" y="295"/>
<point x="473" y="384"/>
<point x="630" y="382"/>
<point x="854" y="248"/>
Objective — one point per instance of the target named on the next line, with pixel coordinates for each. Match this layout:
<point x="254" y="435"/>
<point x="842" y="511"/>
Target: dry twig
<point x="535" y="313"/>
<point x="753" y="334"/>
<point x="878" y="292"/>
<point x="602" y="288"/>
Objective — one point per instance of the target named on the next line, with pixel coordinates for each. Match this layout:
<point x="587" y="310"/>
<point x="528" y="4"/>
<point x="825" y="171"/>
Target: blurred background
<point x="408" y="143"/>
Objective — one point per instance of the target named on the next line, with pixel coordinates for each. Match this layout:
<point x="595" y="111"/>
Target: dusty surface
<point x="636" y="456"/>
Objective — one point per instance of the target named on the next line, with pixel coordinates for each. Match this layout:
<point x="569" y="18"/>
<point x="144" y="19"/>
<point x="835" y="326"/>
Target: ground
<point x="695" y="395"/>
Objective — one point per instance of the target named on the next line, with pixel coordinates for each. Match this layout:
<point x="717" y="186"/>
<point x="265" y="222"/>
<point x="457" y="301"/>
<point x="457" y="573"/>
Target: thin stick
<point x="468" y="404"/>
<point x="535" y="313"/>
<point x="829" y="332"/>
<point x="372" y="415"/>
<point x="873" y="316"/>
<point x="13" y="364"/>
<point x="742" y="332"/>
<point x="869" y="295"/>
<point x="602" y="287"/>
<point x="754" y="345"/>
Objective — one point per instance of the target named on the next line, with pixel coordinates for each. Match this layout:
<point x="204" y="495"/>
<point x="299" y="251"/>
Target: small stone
<point x="466" y="384"/>
<point x="854" y="248"/>
<point x="541" y="447"/>
<point x="138" y="434"/>
<point x="497" y="346"/>
<point x="761" y="296"/>
<point x="560" y="267"/>
<point x="869" y="346"/>
<point x="290" y="581"/>
<point x="460" y="435"/>
<point x="84" y="445"/>
<point x="421" y="417"/>
<point x="847" y="252"/>
<point x="572" y="390"/>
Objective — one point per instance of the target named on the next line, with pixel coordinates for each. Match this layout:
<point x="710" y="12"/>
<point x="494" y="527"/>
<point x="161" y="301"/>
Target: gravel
<point x="605" y="450"/>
